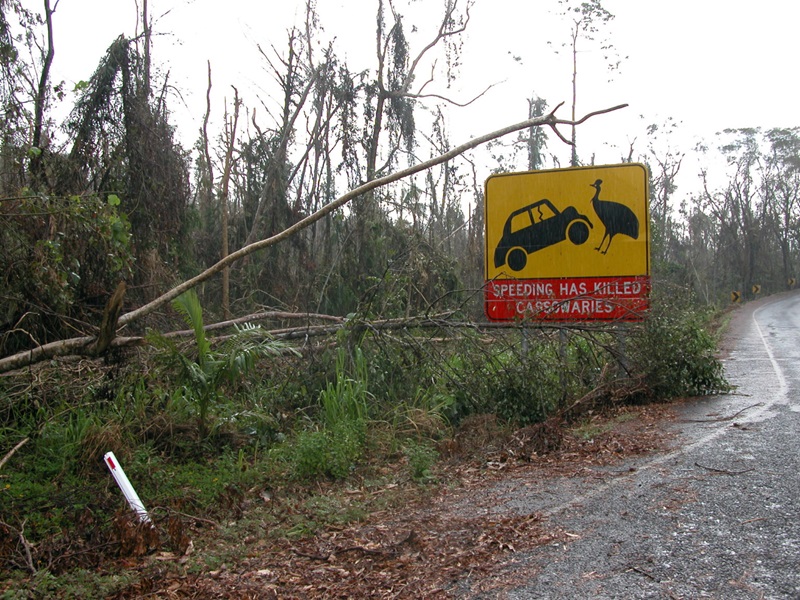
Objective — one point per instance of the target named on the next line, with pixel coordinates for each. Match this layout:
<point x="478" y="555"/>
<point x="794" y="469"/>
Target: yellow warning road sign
<point x="568" y="244"/>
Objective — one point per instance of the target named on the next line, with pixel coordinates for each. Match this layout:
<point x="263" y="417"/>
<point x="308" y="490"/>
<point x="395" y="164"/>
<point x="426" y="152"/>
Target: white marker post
<point x="125" y="485"/>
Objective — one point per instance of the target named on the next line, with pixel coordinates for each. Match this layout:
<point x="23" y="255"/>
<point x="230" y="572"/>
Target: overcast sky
<point x="708" y="64"/>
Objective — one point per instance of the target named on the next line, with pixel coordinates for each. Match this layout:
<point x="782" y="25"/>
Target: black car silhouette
<point x="537" y="226"/>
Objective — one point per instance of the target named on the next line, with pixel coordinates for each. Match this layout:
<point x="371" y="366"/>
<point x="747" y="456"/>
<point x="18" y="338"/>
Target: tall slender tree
<point x="536" y="137"/>
<point x="42" y="97"/>
<point x="588" y="21"/>
<point x="781" y="192"/>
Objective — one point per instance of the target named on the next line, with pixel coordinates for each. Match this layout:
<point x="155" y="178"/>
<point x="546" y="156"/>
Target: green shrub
<point x="204" y="375"/>
<point x="519" y="387"/>
<point x="345" y="400"/>
<point x="329" y="452"/>
<point x="60" y="257"/>
<point x="421" y="459"/>
<point x="675" y="353"/>
<point x="333" y="446"/>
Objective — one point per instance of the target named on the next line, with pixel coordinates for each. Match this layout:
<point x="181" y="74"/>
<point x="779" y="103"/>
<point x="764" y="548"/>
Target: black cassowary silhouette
<point x="616" y="217"/>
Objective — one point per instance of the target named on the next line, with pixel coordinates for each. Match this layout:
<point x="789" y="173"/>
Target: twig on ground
<point x="26" y="545"/>
<point x="643" y="572"/>
<point x="721" y="419"/>
<point x="12" y="452"/>
<point x="723" y="471"/>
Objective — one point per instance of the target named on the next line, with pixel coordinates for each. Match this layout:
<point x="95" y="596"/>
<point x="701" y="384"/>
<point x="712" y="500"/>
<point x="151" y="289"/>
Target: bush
<point x="519" y="387"/>
<point x="329" y="452"/>
<point x="334" y="446"/>
<point x="421" y="459"/>
<point x="675" y="353"/>
<point x="58" y="256"/>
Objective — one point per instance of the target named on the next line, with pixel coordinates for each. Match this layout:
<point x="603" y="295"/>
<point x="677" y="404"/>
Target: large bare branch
<point x="75" y="345"/>
<point x="230" y="141"/>
<point x="549" y="120"/>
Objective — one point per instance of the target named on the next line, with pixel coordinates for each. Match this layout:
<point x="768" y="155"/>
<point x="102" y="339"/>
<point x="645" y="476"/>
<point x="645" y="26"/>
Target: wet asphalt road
<point x="716" y="517"/>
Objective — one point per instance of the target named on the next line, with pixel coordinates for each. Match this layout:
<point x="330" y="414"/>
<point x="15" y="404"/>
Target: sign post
<point x="568" y="244"/>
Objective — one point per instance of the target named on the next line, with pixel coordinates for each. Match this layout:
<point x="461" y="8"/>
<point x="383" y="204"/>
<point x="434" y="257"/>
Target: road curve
<point x="717" y="517"/>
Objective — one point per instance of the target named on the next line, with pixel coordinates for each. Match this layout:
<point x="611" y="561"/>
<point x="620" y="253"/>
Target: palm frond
<point x="188" y="305"/>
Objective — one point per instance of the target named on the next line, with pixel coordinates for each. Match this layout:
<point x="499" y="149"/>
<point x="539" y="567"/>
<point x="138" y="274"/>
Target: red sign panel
<point x="568" y="299"/>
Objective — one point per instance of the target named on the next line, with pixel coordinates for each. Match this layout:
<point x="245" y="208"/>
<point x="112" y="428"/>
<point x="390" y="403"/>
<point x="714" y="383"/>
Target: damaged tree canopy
<point x="122" y="141"/>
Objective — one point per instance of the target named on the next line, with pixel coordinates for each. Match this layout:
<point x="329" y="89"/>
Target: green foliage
<point x="63" y="444"/>
<point x="671" y="352"/>
<point x="115" y="111"/>
<point x="204" y="375"/>
<point x="674" y="351"/>
<point x="202" y="484"/>
<point x="520" y="388"/>
<point x="80" y="583"/>
<point x="345" y="400"/>
<point x="425" y="415"/>
<point x="327" y="452"/>
<point x="334" y="445"/>
<point x="58" y="256"/>
<point x="421" y="459"/>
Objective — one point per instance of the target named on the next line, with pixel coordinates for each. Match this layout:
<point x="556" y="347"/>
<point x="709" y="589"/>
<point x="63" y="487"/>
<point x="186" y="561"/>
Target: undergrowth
<point x="269" y="448"/>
